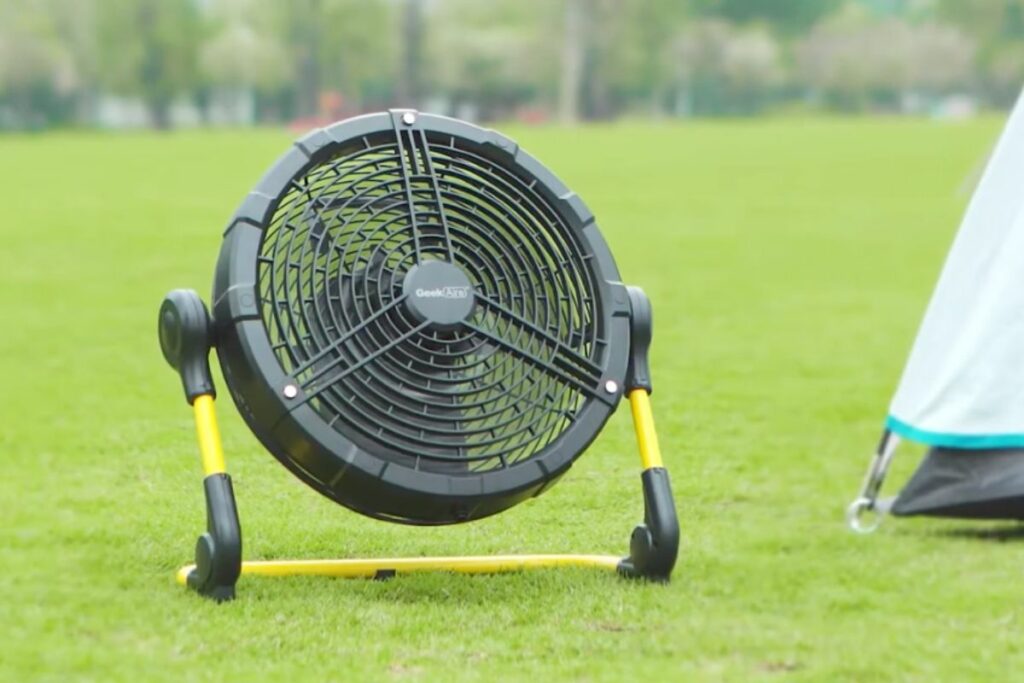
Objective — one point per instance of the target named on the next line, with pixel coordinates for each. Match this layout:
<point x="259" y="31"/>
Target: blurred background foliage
<point x="174" y="63"/>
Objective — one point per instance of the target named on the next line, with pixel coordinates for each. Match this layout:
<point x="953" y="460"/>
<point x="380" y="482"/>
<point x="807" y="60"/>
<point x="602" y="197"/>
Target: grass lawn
<point x="789" y="263"/>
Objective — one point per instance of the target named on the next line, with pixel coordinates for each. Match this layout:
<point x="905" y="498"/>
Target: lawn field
<point x="789" y="263"/>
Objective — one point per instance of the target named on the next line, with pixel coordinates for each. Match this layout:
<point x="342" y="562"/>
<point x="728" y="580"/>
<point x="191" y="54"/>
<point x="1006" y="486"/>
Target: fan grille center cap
<point x="439" y="293"/>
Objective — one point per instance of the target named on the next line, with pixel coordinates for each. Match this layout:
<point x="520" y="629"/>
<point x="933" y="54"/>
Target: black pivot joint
<point x="186" y="337"/>
<point x="641" y="327"/>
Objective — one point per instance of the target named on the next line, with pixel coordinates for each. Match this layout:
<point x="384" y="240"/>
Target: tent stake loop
<point x="867" y="501"/>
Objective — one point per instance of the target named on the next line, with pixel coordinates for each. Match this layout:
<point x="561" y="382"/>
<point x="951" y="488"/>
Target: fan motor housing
<point x="418" y="319"/>
<point x="438" y="293"/>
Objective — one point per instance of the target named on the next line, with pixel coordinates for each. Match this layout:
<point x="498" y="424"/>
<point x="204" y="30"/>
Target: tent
<point x="962" y="391"/>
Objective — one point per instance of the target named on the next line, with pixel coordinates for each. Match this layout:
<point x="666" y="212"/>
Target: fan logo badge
<point x="443" y="293"/>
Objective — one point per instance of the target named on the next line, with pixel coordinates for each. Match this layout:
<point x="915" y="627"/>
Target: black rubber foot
<point x="219" y="550"/>
<point x="654" y="545"/>
<point x="213" y="592"/>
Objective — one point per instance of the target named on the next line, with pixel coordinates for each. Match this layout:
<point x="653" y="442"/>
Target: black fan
<point x="422" y="323"/>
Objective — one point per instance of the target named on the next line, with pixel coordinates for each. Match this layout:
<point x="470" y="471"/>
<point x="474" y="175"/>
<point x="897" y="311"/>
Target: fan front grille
<point x="494" y="391"/>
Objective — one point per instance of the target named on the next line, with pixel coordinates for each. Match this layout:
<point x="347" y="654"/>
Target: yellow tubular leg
<point x="209" y="435"/>
<point x="365" y="569"/>
<point x="643" y="423"/>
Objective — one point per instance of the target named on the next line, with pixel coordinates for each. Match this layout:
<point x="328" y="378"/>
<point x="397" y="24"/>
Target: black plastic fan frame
<point x="383" y="460"/>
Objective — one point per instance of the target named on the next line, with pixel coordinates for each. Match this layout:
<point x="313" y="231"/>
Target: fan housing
<point x="418" y="319"/>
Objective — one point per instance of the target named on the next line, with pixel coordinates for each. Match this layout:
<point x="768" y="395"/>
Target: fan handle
<point x="186" y="338"/>
<point x="654" y="545"/>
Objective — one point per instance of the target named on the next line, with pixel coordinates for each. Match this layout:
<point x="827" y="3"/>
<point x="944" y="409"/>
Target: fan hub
<point x="438" y="293"/>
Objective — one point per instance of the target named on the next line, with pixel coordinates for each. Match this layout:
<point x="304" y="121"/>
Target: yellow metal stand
<point x="373" y="568"/>
<point x="643" y="425"/>
<point x="210" y="449"/>
<point x="213" y="464"/>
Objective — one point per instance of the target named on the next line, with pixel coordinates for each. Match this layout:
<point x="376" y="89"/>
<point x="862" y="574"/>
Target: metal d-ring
<point x="855" y="515"/>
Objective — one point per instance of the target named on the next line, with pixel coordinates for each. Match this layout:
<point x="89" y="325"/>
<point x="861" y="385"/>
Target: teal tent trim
<point x="965" y="441"/>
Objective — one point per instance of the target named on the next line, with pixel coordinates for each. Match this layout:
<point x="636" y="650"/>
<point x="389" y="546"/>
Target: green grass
<point x="789" y="263"/>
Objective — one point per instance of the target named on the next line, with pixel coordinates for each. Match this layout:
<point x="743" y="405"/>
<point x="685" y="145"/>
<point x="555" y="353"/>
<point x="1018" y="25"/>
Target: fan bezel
<point x="338" y="465"/>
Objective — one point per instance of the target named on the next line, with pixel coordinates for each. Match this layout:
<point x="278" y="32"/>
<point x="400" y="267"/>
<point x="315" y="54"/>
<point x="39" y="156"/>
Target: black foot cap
<point x="215" y="593"/>
<point x="654" y="545"/>
<point x="219" y="550"/>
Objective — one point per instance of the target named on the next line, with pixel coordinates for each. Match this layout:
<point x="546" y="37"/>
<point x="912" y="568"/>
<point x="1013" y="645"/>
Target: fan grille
<point x="494" y="391"/>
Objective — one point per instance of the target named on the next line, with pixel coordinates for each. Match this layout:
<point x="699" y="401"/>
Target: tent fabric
<point x="985" y="484"/>
<point x="963" y="386"/>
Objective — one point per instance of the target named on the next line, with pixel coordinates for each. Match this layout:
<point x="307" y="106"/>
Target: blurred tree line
<point x="63" y="62"/>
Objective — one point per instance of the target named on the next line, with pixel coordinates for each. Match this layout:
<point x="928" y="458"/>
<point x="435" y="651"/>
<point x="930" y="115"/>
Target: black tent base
<point x="965" y="484"/>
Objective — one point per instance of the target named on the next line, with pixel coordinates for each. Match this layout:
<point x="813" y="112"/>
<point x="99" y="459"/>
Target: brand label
<point x="443" y="293"/>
